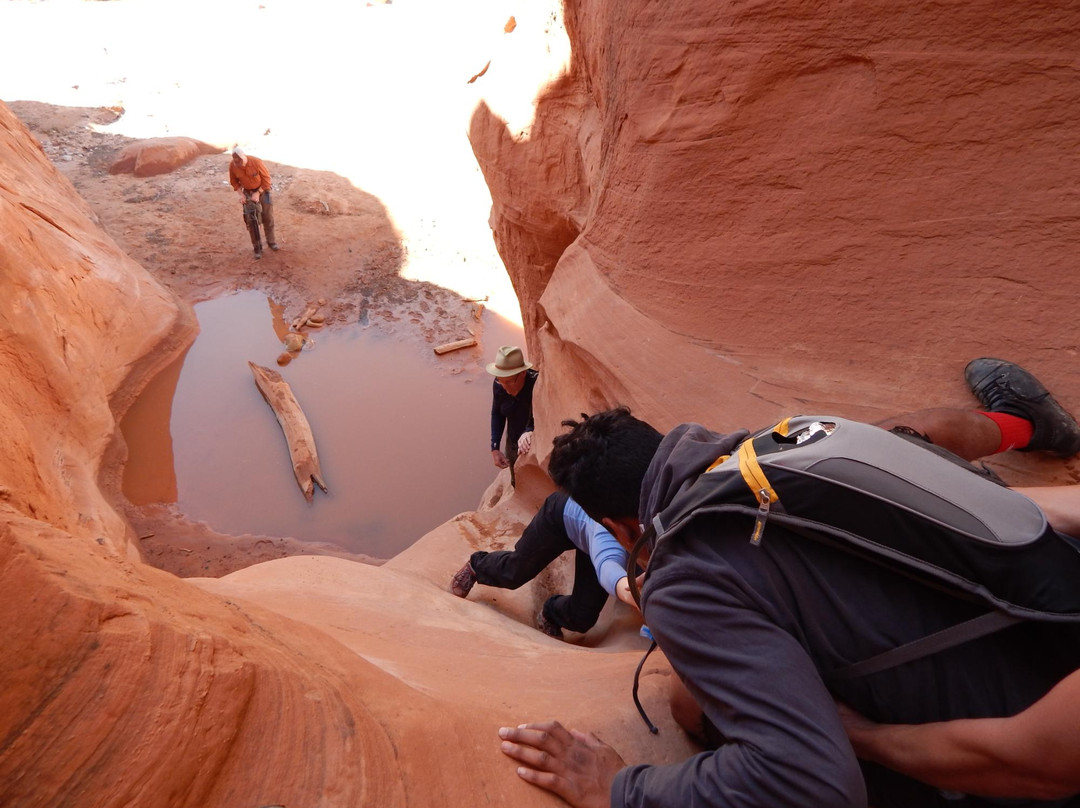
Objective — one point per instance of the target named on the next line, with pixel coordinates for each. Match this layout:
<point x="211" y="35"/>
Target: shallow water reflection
<point x="402" y="443"/>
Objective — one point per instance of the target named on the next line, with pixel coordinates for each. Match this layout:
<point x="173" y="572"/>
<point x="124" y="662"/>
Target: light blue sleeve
<point x="608" y="556"/>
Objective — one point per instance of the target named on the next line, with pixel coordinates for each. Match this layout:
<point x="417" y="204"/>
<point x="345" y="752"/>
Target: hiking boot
<point x="462" y="582"/>
<point x="1005" y="387"/>
<point x="549" y="628"/>
<point x="274" y="246"/>
<point x="258" y="254"/>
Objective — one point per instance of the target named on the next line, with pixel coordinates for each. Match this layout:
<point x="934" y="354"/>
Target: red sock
<point x="1016" y="432"/>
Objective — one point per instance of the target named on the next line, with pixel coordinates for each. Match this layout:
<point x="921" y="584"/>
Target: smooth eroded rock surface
<point x="300" y="683"/>
<point x="727" y="211"/>
<point x="160" y="155"/>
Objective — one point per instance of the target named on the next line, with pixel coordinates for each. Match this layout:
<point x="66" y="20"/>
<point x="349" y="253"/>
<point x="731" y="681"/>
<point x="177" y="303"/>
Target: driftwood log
<point x="294" y="424"/>
<point x="457" y="345"/>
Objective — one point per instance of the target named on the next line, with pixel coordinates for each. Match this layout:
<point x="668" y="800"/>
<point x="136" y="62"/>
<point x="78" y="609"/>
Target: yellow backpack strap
<point x="717" y="462"/>
<point x="751" y="471"/>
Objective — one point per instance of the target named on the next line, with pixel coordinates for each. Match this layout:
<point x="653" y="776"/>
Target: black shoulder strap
<point x="950" y="637"/>
<point x="925" y="646"/>
<point x="646" y="537"/>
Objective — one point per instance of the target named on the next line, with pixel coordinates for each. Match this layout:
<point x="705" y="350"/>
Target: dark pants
<point x="253" y="212"/>
<point x="542" y="542"/>
<point x="511" y="452"/>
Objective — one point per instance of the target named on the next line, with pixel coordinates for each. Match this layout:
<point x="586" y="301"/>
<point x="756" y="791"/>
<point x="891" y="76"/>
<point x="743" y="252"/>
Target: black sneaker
<point x="1005" y="387"/>
<point x="549" y="628"/>
<point x="462" y="582"/>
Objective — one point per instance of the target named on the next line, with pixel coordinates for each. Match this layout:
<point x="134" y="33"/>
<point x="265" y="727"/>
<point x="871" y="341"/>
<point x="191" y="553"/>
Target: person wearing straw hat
<point x="511" y="406"/>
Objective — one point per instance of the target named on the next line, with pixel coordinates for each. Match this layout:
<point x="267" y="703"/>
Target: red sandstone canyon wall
<point x="299" y="682"/>
<point x="728" y="210"/>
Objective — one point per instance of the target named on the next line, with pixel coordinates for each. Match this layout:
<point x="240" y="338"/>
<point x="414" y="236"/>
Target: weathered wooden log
<point x="447" y="347"/>
<point x="294" y="424"/>
<point x="311" y="311"/>
<point x="301" y="321"/>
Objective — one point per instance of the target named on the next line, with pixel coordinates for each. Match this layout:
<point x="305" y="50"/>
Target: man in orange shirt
<point x="251" y="180"/>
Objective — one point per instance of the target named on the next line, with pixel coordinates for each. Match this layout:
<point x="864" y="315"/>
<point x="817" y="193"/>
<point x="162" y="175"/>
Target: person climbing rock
<point x="761" y="634"/>
<point x="511" y="406"/>
<point x="559" y="525"/>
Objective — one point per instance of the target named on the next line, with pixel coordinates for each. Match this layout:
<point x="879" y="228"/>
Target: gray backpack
<point x="900" y="502"/>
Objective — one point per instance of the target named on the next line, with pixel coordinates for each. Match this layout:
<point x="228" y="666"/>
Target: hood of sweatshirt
<point x="684" y="453"/>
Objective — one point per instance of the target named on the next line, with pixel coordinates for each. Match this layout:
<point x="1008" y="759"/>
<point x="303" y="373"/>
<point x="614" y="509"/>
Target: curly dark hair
<point x="602" y="460"/>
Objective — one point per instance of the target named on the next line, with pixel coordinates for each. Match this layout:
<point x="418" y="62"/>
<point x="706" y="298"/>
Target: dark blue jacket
<point x="512" y="413"/>
<point x="750" y="629"/>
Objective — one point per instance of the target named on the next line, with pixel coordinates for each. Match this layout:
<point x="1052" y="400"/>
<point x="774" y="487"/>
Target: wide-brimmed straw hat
<point x="509" y="361"/>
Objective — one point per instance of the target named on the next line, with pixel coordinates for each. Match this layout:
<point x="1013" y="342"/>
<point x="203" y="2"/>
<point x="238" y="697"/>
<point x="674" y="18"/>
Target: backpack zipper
<point x="762" y="515"/>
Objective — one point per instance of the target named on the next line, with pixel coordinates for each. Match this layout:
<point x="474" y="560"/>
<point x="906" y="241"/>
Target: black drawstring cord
<point x="646" y="536"/>
<point x="631" y="579"/>
<point x="637" y="702"/>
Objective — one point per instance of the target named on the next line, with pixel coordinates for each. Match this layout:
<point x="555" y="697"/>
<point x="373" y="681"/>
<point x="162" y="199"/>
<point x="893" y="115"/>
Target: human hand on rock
<point x="576" y="766"/>
<point x="500" y="459"/>
<point x="525" y="443"/>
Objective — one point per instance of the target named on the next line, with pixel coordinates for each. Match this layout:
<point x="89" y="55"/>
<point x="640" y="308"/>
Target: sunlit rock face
<point x="728" y="211"/>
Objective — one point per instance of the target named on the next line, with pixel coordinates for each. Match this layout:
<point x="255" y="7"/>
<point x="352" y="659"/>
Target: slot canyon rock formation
<point x="722" y="212"/>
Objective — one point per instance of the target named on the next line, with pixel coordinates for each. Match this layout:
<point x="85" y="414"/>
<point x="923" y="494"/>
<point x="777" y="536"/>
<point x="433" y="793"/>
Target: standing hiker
<point x="250" y="178"/>
<point x="756" y="631"/>
<point x="511" y="406"/>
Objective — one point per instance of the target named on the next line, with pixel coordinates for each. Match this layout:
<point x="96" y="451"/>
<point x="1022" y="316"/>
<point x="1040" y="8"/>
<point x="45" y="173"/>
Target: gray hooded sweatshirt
<point x="749" y="629"/>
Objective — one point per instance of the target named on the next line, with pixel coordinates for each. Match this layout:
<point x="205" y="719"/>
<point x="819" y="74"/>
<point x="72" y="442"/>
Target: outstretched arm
<point x="607" y="555"/>
<point x="1034" y="755"/>
<point x="759" y="689"/>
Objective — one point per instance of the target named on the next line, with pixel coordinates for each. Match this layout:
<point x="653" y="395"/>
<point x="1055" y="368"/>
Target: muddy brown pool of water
<point x="403" y="443"/>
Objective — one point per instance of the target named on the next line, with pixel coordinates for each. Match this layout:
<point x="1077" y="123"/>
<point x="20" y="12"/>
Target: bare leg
<point x="1060" y="503"/>
<point x="967" y="433"/>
